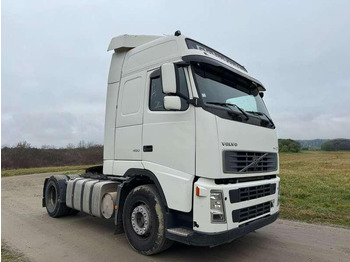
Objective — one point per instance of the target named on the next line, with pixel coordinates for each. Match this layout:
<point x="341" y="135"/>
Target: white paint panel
<point x="108" y="167"/>
<point x="173" y="145"/>
<point x="131" y="96"/>
<point x="120" y="167"/>
<point x="248" y="138"/>
<point x="130" y="103"/>
<point x="128" y="142"/>
<point x="130" y="41"/>
<point x="115" y="69"/>
<point x="207" y="153"/>
<point x="176" y="185"/>
<point x="153" y="54"/>
<point x="110" y="119"/>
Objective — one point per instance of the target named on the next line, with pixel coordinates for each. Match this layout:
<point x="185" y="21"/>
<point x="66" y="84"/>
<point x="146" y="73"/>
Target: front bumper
<point x="213" y="239"/>
<point x="238" y="211"/>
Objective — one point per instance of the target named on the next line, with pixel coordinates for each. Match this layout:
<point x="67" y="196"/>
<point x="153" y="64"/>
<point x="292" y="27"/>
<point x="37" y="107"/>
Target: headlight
<point x="217" y="207"/>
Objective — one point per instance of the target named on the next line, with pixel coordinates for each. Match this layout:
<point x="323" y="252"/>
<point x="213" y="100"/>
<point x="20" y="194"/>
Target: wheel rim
<point x="140" y="219"/>
<point x="51" y="198"/>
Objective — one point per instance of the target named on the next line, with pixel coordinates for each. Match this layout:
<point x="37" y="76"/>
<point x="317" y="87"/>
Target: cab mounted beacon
<point x="190" y="150"/>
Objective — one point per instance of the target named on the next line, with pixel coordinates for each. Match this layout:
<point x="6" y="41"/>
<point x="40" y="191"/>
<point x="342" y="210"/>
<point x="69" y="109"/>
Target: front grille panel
<point x="249" y="162"/>
<point x="251" y="212"/>
<point x="253" y="192"/>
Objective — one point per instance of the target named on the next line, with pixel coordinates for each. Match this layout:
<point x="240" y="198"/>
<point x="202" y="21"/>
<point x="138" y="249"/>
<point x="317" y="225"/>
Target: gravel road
<point x="26" y="227"/>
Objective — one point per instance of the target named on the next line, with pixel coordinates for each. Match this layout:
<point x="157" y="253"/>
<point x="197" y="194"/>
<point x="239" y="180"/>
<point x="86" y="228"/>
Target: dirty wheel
<point x="144" y="220"/>
<point x="53" y="195"/>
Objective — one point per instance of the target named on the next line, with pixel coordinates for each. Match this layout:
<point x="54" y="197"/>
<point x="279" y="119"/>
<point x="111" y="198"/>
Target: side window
<point x="156" y="100"/>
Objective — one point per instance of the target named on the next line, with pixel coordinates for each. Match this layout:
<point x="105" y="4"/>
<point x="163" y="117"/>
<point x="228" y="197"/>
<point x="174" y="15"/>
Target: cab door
<point x="168" y="144"/>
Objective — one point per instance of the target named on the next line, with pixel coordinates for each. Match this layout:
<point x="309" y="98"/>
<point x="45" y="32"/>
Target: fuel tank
<point x="91" y="196"/>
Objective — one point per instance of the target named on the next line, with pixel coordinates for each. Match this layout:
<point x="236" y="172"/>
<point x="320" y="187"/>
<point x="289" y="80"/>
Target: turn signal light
<point x="197" y="191"/>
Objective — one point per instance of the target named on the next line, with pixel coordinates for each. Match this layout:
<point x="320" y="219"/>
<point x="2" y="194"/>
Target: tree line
<point x="23" y="155"/>
<point x="289" y="145"/>
<point x="336" y="145"/>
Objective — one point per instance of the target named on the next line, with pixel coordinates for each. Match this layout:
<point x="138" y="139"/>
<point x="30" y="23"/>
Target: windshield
<point x="217" y="85"/>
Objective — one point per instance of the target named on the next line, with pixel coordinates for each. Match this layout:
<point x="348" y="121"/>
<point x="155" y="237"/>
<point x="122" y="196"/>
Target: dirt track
<point x="26" y="227"/>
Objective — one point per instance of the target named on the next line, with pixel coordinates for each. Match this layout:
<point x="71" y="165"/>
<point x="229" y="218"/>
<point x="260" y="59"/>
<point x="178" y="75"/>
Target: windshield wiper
<point x="262" y="114"/>
<point x="228" y="105"/>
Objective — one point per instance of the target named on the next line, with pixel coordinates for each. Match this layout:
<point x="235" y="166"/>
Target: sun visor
<point x="214" y="62"/>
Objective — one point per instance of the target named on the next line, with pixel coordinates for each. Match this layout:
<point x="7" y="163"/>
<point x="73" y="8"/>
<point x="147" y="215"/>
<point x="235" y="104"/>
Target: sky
<point x="55" y="60"/>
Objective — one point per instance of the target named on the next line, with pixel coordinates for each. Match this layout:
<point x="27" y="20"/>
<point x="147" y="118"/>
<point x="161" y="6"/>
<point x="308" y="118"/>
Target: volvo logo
<point x="255" y="162"/>
<point x="229" y="144"/>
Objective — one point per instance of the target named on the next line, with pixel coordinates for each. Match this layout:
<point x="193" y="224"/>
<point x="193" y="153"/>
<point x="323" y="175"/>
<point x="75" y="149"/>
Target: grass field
<point x="27" y="171"/>
<point x="9" y="255"/>
<point x="315" y="187"/>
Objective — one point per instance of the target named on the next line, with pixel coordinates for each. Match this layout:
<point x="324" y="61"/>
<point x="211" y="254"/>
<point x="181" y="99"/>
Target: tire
<point x="54" y="193"/>
<point x="144" y="220"/>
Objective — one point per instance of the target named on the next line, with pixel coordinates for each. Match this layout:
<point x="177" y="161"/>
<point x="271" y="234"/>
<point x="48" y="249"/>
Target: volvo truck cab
<point x="190" y="150"/>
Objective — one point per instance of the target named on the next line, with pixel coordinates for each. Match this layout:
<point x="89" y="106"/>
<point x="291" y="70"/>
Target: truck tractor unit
<point x="190" y="150"/>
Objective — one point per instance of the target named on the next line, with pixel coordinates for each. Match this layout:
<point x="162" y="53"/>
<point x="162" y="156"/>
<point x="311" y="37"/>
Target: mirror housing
<point x="168" y="78"/>
<point x="172" y="103"/>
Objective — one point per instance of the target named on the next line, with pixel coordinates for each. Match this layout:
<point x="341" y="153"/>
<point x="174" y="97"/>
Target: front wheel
<point x="144" y="220"/>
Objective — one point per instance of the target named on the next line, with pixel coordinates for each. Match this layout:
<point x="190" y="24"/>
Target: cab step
<point x="180" y="231"/>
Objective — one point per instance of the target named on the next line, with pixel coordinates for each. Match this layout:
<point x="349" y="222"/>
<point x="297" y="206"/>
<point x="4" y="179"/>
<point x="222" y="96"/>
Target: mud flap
<point x="44" y="188"/>
<point x="118" y="220"/>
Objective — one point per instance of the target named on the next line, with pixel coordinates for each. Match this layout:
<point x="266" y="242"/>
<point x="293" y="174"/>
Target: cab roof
<point x="130" y="41"/>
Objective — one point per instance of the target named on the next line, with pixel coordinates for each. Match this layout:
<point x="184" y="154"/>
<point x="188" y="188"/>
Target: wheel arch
<point x="135" y="177"/>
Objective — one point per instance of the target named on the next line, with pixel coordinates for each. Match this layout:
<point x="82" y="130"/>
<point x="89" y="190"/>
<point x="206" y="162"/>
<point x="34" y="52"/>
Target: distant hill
<point x="312" y="144"/>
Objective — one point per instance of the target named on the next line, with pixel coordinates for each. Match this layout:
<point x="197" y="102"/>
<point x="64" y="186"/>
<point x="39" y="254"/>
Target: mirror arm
<point x="194" y="101"/>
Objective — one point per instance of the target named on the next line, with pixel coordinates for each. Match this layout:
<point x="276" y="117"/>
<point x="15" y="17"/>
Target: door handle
<point x="148" y="148"/>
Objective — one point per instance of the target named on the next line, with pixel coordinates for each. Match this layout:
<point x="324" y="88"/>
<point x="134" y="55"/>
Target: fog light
<point x="217" y="207"/>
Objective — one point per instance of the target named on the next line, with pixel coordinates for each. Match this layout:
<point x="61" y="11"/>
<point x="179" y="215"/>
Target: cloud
<point x="328" y="126"/>
<point x="55" y="64"/>
<point x="53" y="128"/>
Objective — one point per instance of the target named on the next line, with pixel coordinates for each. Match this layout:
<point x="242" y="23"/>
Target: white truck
<point x="190" y="151"/>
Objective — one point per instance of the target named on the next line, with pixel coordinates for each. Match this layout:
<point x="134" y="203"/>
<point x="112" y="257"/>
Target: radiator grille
<point x="249" y="162"/>
<point x="251" y="212"/>
<point x="253" y="192"/>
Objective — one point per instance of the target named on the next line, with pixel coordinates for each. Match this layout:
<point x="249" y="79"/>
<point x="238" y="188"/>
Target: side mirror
<point x="172" y="103"/>
<point x="168" y="78"/>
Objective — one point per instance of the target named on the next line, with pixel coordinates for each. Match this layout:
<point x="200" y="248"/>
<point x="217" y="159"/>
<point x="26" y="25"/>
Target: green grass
<point x="26" y="171"/>
<point x="9" y="255"/>
<point x="315" y="187"/>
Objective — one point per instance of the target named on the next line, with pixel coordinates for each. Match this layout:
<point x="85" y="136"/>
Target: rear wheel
<point x="54" y="194"/>
<point x="144" y="220"/>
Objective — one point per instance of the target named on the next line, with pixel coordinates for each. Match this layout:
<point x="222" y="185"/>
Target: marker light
<point x="216" y="207"/>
